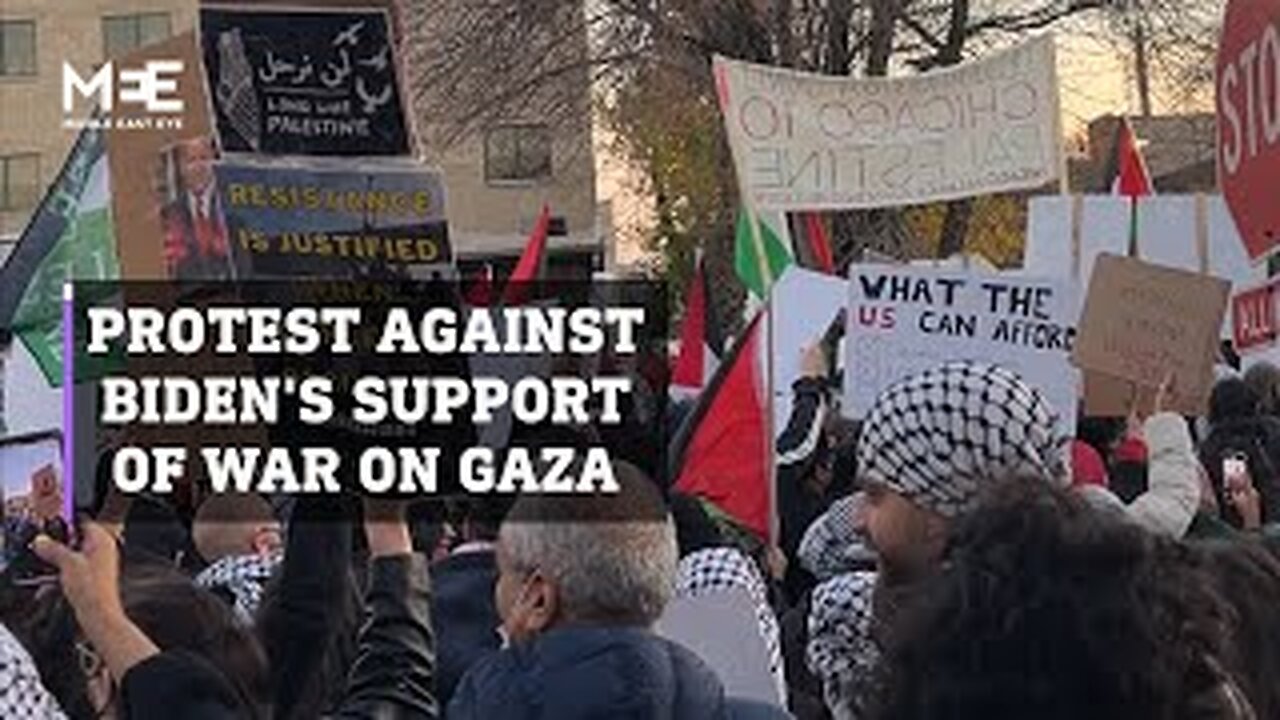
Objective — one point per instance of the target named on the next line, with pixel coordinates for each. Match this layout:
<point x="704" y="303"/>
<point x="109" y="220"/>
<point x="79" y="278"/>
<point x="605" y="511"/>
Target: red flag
<point x="1132" y="179"/>
<point x="697" y="360"/>
<point x="819" y="243"/>
<point x="530" y="265"/>
<point x="721" y="453"/>
<point x="480" y="290"/>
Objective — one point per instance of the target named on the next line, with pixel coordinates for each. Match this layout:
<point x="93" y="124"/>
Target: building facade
<point x="498" y="176"/>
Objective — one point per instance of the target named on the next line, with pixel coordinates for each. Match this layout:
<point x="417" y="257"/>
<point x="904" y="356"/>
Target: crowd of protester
<point x="953" y="556"/>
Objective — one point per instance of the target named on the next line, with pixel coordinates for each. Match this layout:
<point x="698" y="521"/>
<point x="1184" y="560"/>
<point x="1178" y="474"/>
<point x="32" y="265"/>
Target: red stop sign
<point x="1248" y="92"/>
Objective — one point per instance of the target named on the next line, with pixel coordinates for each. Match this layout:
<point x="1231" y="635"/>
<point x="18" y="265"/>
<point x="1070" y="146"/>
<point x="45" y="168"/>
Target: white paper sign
<point x="804" y="303"/>
<point x="905" y="320"/>
<point x="803" y="141"/>
<point x="1166" y="235"/>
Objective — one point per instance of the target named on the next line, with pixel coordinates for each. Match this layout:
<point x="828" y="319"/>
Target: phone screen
<point x="31" y="481"/>
<point x="1234" y="469"/>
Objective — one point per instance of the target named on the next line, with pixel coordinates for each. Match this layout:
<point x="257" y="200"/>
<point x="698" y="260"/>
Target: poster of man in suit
<point x="195" y="232"/>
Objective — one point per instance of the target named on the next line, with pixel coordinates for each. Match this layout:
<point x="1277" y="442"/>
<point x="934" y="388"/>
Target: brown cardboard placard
<point x="134" y="157"/>
<point x="1107" y="396"/>
<point x="1143" y="322"/>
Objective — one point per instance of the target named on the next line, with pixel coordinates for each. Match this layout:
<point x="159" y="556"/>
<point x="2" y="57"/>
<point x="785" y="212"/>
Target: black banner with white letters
<point x="303" y="82"/>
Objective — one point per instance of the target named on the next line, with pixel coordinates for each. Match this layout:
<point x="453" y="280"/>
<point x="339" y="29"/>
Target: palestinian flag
<point x="69" y="237"/>
<point x="815" y="252"/>
<point x="1131" y="177"/>
<point x="529" y="268"/>
<point x="701" y="339"/>
<point x="722" y="453"/>
<point x="759" y="253"/>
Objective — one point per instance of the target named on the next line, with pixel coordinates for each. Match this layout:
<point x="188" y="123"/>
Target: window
<point x="122" y="33"/>
<point x="17" y="48"/>
<point x="19" y="181"/>
<point x="517" y="152"/>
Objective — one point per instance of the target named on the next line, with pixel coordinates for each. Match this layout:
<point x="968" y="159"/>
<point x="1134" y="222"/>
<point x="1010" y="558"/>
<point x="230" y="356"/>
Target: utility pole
<point x="1141" y="65"/>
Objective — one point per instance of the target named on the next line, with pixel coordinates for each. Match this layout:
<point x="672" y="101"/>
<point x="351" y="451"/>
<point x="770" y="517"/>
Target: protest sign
<point x="904" y="320"/>
<point x="1248" y="92"/>
<point x="1066" y="234"/>
<point x="1143" y="323"/>
<point x="804" y="141"/>
<point x="1253" y="318"/>
<point x="132" y="156"/>
<point x="321" y="220"/>
<point x="304" y="82"/>
<point x="808" y="302"/>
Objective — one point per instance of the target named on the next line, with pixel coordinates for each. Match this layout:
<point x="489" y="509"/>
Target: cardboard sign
<point x="905" y="320"/>
<point x="1144" y="322"/>
<point x="377" y="220"/>
<point x="134" y="154"/>
<point x="1248" y="92"/>
<point x="304" y="82"/>
<point x="804" y="141"/>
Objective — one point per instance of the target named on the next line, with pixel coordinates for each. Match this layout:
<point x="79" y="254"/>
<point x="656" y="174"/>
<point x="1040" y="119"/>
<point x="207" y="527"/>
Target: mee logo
<point x="133" y="98"/>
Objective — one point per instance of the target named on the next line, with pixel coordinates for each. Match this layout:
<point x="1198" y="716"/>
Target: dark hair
<point x="1100" y="433"/>
<point x="173" y="613"/>
<point x="1048" y="608"/>
<point x="1248" y="576"/>
<point x="323" y="688"/>
<point x="479" y="517"/>
<point x="695" y="530"/>
<point x="178" y="615"/>
<point x="1232" y="399"/>
<point x="1264" y="378"/>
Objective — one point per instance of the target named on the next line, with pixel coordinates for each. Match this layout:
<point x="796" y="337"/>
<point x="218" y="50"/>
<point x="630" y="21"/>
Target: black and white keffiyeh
<point x="22" y="696"/>
<point x="935" y="438"/>
<point x="842" y="650"/>
<point x="834" y="543"/>
<point x="244" y="577"/>
<point x="718" y="569"/>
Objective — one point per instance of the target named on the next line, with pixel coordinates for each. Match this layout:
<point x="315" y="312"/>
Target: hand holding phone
<point x="1240" y="493"/>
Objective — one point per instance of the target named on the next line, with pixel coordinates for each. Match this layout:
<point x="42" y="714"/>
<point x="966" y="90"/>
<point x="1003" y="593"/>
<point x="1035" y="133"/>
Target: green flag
<point x="73" y="229"/>
<point x="759" y="255"/>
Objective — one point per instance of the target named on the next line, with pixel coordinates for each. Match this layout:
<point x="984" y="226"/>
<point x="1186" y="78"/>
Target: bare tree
<point x="494" y="57"/>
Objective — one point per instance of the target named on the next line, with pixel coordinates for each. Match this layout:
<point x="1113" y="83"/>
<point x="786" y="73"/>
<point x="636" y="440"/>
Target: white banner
<point x="905" y="320"/>
<point x="811" y="142"/>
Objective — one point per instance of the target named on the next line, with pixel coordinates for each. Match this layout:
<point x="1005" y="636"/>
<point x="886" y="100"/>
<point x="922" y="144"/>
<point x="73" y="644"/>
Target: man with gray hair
<point x="581" y="581"/>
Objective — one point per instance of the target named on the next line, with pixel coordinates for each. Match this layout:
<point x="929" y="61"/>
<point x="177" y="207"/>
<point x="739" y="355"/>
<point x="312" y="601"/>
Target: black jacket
<point x="463" y="614"/>
<point x="1259" y="439"/>
<point x="394" y="672"/>
<point x="177" y="684"/>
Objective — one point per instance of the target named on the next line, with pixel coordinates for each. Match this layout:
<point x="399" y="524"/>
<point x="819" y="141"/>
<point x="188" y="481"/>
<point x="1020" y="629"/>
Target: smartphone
<point x="831" y="340"/>
<point x="32" y="495"/>
<point x="1235" y="470"/>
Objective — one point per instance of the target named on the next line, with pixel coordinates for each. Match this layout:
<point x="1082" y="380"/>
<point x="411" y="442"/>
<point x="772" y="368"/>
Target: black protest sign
<point x="374" y="220"/>
<point x="303" y="82"/>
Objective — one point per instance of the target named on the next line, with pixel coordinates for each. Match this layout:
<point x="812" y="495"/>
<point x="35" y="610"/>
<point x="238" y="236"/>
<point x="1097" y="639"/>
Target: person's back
<point x="591" y="672"/>
<point x="462" y="613"/>
<point x="581" y="582"/>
